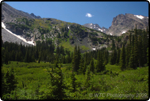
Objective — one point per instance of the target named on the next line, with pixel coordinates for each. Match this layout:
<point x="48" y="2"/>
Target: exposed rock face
<point x="122" y="23"/>
<point x="6" y="36"/>
<point x="96" y="27"/>
<point x="9" y="13"/>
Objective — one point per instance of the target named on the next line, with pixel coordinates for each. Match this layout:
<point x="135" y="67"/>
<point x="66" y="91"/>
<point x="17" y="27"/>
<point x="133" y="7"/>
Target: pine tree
<point x="135" y="51"/>
<point x="85" y="67"/>
<point x="73" y="81"/>
<point x="78" y="57"/>
<point x="92" y="66"/>
<point x="113" y="57"/>
<point x="100" y="63"/>
<point x="118" y="56"/>
<point x="6" y="56"/>
<point x="3" y="86"/>
<point x="106" y="55"/>
<point x="131" y="60"/>
<point x="75" y="60"/>
<point x="81" y="65"/>
<point x="140" y="51"/>
<point x="148" y="56"/>
<point x="57" y="83"/>
<point x="27" y="59"/>
<point x="122" y="58"/>
<point x="88" y="75"/>
<point x="127" y="56"/>
<point x="10" y="81"/>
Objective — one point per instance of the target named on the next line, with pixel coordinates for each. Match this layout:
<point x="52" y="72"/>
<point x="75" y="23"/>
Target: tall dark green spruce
<point x="118" y="56"/>
<point x="73" y="81"/>
<point x="135" y="50"/>
<point x="131" y="60"/>
<point x="76" y="59"/>
<point x="127" y="56"/>
<point x="106" y="55"/>
<point x="57" y="84"/>
<point x="113" y="57"/>
<point x="88" y="78"/>
<point x="92" y="68"/>
<point x="81" y="66"/>
<point x="85" y="67"/>
<point x="100" y="64"/>
<point x="122" y="58"/>
<point x="148" y="56"/>
<point x="11" y="82"/>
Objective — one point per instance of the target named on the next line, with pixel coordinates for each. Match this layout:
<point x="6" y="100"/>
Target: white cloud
<point x="89" y="15"/>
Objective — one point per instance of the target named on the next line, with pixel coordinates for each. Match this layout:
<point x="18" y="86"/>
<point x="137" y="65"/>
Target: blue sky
<point x="101" y="13"/>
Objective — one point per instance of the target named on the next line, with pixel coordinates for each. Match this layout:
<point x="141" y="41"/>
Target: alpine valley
<point x="46" y="58"/>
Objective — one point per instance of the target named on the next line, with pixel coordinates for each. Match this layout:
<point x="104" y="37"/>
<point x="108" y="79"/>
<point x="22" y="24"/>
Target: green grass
<point x="84" y="47"/>
<point x="67" y="45"/>
<point x="128" y="84"/>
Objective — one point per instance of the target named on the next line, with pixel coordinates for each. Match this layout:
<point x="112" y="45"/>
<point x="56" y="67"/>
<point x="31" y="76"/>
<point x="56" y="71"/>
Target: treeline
<point x="43" y="51"/>
<point x="95" y="61"/>
<point x="135" y="53"/>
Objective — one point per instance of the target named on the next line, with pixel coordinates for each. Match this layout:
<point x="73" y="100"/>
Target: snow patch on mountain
<point x="29" y="42"/>
<point x="100" y="30"/>
<point x="139" y="16"/>
<point x="93" y="48"/>
<point x="123" y="32"/>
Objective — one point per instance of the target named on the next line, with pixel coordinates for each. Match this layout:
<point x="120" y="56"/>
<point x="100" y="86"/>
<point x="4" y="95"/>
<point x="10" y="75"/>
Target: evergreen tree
<point x="113" y="57"/>
<point x="64" y="59"/>
<point x="88" y="75"/>
<point x="92" y="66"/>
<point x="6" y="56"/>
<point x="113" y="45"/>
<point x="148" y="56"/>
<point x="106" y="55"/>
<point x="85" y="67"/>
<point x="135" y="51"/>
<point x="75" y="60"/>
<point x="81" y="65"/>
<point x="127" y="56"/>
<point x="122" y="58"/>
<point x="10" y="81"/>
<point x="57" y="83"/>
<point x="118" y="56"/>
<point x="73" y="81"/>
<point x="100" y="64"/>
<point x="140" y="51"/>
<point x="131" y="60"/>
<point x="27" y="59"/>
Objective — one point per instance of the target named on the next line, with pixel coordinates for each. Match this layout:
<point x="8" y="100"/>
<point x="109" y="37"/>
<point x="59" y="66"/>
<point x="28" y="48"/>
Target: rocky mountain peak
<point x="32" y="14"/>
<point x="96" y="27"/>
<point x="122" y="23"/>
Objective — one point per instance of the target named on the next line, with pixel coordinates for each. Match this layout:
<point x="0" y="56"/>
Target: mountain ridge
<point x="33" y="28"/>
<point x="122" y="22"/>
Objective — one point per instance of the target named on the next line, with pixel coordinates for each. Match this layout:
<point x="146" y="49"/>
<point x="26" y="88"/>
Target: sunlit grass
<point x="126" y="82"/>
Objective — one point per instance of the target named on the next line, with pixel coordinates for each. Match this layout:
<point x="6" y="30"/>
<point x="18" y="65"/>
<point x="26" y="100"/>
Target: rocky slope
<point x="9" y="13"/>
<point x="96" y="27"/>
<point x="123" y="23"/>
<point x="32" y="28"/>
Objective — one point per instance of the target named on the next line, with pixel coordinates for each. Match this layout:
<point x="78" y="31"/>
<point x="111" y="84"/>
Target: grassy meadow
<point x="34" y="82"/>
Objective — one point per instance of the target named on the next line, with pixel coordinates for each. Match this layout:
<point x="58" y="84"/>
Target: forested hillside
<point x="64" y="70"/>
